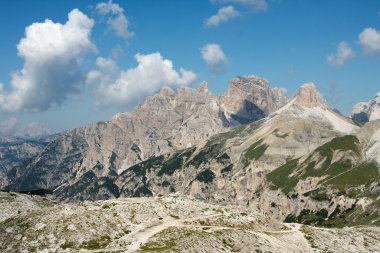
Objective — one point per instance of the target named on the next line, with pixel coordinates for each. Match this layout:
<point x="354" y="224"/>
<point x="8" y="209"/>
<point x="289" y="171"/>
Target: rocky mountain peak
<point x="166" y="91"/>
<point x="203" y="87"/>
<point x="308" y="96"/>
<point x="248" y="83"/>
<point x="251" y="98"/>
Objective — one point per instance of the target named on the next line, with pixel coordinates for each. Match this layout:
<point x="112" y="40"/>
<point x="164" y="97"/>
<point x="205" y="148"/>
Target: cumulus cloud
<point x="255" y="5"/>
<point x="117" y="20"/>
<point x="369" y="38"/>
<point x="224" y="14"/>
<point x="51" y="73"/>
<point x="215" y="58"/>
<point x="126" y="89"/>
<point x="344" y="52"/>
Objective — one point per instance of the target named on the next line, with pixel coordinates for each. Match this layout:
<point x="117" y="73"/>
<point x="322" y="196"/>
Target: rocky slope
<point x="304" y="163"/>
<point x="170" y="224"/>
<point x="367" y="111"/>
<point x="163" y="123"/>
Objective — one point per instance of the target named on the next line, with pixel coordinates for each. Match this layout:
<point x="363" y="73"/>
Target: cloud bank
<point x="215" y="58"/>
<point x="52" y="54"/>
<point x="125" y="89"/>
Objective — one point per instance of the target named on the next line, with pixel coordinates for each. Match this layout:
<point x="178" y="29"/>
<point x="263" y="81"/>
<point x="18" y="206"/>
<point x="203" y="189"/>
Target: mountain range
<point x="295" y="160"/>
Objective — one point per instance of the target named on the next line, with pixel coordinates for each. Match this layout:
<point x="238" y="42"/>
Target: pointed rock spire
<point x="203" y="87"/>
<point x="308" y="96"/>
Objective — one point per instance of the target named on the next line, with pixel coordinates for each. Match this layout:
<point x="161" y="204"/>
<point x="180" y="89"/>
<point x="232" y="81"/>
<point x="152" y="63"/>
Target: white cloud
<point x="117" y="20"/>
<point x="255" y="5"/>
<point x="127" y="88"/>
<point x="52" y="53"/>
<point x="344" y="52"/>
<point x="215" y="58"/>
<point x="7" y="126"/>
<point x="370" y="40"/>
<point x="224" y="14"/>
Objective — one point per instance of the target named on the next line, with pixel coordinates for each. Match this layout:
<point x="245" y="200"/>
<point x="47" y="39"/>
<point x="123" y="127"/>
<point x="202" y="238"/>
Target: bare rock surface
<point x="170" y="224"/>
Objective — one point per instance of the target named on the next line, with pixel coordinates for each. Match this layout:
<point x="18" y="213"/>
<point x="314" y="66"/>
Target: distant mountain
<point x="163" y="123"/>
<point x="14" y="151"/>
<point x="367" y="111"/>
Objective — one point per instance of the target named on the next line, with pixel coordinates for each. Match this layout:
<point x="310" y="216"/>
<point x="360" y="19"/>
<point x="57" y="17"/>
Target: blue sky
<point x="287" y="42"/>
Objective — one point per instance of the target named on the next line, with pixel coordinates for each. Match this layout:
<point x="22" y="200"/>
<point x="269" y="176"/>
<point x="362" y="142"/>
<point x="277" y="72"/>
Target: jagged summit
<point x="203" y="87"/>
<point x="308" y="96"/>
<point x="167" y="91"/>
<point x="309" y="104"/>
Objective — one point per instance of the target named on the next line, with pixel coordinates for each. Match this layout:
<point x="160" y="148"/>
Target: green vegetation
<point x="153" y="247"/>
<point x="364" y="174"/>
<point x="67" y="245"/>
<point x="141" y="168"/>
<point x="106" y="206"/>
<point x="175" y="161"/>
<point x="227" y="168"/>
<point x="339" y="173"/>
<point x="142" y="192"/>
<point x="98" y="243"/>
<point x="215" y="147"/>
<point x="206" y="176"/>
<point x="279" y="134"/>
<point x="318" y="195"/>
<point x="254" y="152"/>
<point x="344" y="143"/>
<point x="280" y="176"/>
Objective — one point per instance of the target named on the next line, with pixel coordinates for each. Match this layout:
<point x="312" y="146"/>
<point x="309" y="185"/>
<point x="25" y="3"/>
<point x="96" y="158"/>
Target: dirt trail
<point x="144" y="235"/>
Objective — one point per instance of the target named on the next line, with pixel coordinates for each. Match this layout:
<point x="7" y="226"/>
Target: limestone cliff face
<point x="367" y="111"/>
<point x="251" y="98"/>
<point x="168" y="121"/>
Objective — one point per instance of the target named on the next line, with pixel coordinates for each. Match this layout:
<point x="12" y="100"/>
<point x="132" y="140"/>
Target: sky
<point x="68" y="63"/>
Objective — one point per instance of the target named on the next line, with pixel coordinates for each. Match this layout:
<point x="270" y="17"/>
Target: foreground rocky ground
<point x="162" y="224"/>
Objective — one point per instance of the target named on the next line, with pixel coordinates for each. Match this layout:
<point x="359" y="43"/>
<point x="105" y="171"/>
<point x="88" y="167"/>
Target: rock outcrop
<point x="251" y="98"/>
<point x="367" y="111"/>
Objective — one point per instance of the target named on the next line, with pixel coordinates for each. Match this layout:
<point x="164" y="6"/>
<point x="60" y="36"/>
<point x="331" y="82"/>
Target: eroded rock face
<point x="367" y="111"/>
<point x="168" y="121"/>
<point x="251" y="98"/>
<point x="308" y="96"/>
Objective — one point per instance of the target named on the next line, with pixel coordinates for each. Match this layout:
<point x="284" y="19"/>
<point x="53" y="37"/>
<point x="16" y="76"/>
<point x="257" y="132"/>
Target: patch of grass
<point x="227" y="169"/>
<point x="175" y="161"/>
<point x="364" y="174"/>
<point x="98" y="243"/>
<point x="67" y="245"/>
<point x="280" y="176"/>
<point x="154" y="247"/>
<point x="254" y="152"/>
<point x="142" y="191"/>
<point x="344" y="143"/>
<point x="106" y="206"/>
<point x="206" y="176"/>
<point x="318" y="195"/>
